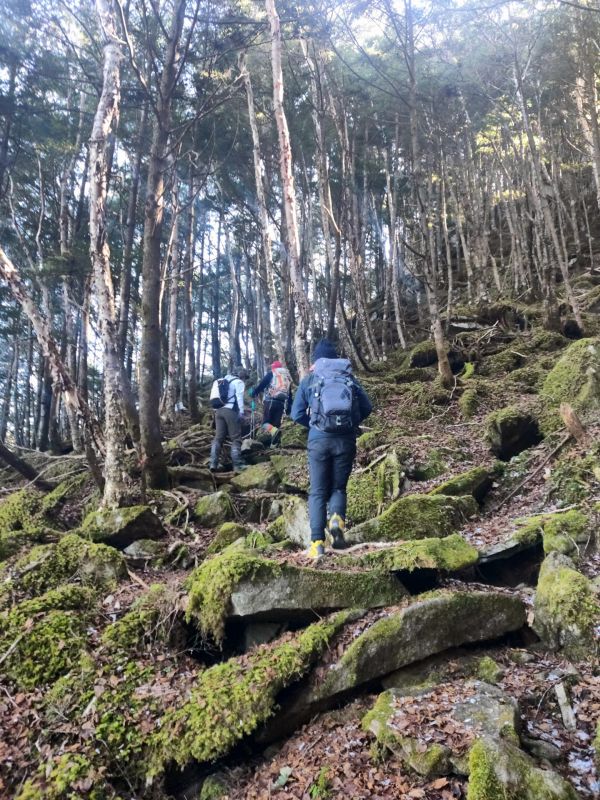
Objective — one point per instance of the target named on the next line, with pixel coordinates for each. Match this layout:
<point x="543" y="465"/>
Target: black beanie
<point x="324" y="349"/>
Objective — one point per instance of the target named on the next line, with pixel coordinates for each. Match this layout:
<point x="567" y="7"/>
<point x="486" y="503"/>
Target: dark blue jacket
<point x="301" y="406"/>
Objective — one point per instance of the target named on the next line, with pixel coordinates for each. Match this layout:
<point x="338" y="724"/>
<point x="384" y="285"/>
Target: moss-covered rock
<point x="232" y="699"/>
<point x="575" y="380"/>
<point x="477" y="709"/>
<point x="296" y="525"/>
<point x="228" y="533"/>
<point x="416" y="516"/>
<point x="214" y="509"/>
<point x="433" y="464"/>
<point x="511" y="430"/>
<point x="73" y="559"/>
<point x="369" y="440"/>
<point x="293" y="436"/>
<point x="498" y="770"/>
<point x="42" y="638"/>
<point x="489" y="670"/>
<point x="450" y="554"/>
<point x="292" y="471"/>
<point x="22" y="522"/>
<point x="574" y="479"/>
<point x="261" y="477"/>
<point x="469" y="402"/>
<point x="423" y="354"/>
<point x="120" y="527"/>
<point x="246" y="586"/>
<point x="427" y="625"/>
<point x="154" y="617"/>
<point x="567" y="610"/>
<point x="476" y="481"/>
<point x="563" y="532"/>
<point x="53" y="502"/>
<point x="371" y="490"/>
<point x="413" y="374"/>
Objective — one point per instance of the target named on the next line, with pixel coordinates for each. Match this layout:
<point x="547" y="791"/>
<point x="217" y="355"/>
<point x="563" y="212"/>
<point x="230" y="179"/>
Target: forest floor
<point x="58" y="739"/>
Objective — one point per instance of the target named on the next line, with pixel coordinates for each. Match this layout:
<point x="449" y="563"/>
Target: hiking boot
<point x="336" y="527"/>
<point x="316" y="551"/>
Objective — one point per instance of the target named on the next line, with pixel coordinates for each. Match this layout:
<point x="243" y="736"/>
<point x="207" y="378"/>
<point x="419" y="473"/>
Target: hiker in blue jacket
<point x="331" y="404"/>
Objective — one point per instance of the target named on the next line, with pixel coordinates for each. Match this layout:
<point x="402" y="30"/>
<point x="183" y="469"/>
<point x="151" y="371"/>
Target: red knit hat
<point x="276" y="365"/>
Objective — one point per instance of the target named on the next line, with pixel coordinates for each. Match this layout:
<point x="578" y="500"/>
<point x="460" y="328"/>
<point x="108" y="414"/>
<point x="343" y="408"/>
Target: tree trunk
<point x="23" y="468"/>
<point x="150" y="351"/>
<point x="302" y="315"/>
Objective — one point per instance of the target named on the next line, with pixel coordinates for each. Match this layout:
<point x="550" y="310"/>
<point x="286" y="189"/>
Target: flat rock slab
<point x="259" y="477"/>
<point x="430" y="624"/>
<point x="121" y="527"/>
<point x="416" y="516"/>
<point x="432" y="732"/>
<point x="273" y="594"/>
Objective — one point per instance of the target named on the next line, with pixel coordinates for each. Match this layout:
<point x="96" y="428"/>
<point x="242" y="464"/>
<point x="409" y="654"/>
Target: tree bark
<point x="302" y="315"/>
<point x="23" y="468"/>
<point x="150" y="351"/>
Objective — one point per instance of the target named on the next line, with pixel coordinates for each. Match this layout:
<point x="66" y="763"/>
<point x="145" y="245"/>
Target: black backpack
<point x="219" y="394"/>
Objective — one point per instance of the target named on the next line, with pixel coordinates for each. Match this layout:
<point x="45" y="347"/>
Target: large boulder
<point x="243" y="585"/>
<point x="438" y="743"/>
<point x="511" y="430"/>
<point x="499" y="769"/>
<point x="295" y="521"/>
<point x="72" y="560"/>
<point x="567" y="609"/>
<point x="213" y="510"/>
<point x="120" y="527"/>
<point x="416" y="516"/>
<point x="575" y="380"/>
<point x="259" y="477"/>
<point x="292" y="471"/>
<point x="427" y="625"/>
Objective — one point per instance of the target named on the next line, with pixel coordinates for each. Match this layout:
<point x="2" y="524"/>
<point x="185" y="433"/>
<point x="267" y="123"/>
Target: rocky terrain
<point x="185" y="647"/>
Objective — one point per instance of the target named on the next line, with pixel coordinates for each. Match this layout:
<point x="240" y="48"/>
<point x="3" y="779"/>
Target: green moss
<point x="423" y="354"/>
<point x="469" y="402"/>
<point x="45" y="636"/>
<point x="321" y="788"/>
<point x="567" y="609"/>
<point x="483" y="781"/>
<point x="213" y="788"/>
<point x="369" y="440"/>
<point x="276" y="530"/>
<point x="510" y="430"/>
<point x="562" y="531"/>
<point x="597" y="744"/>
<point x="292" y="435"/>
<point x="66" y="490"/>
<point x="412" y="374"/>
<point x="468" y="371"/>
<point x="476" y="481"/>
<point x="72" y="559"/>
<point x="122" y="526"/>
<point x="435" y="464"/>
<point x="227" y="534"/>
<point x="449" y="554"/>
<point x="152" y="619"/>
<point x="371" y="490"/>
<point x="505" y="361"/>
<point x="69" y="777"/>
<point x="22" y="522"/>
<point x="488" y="670"/>
<point x="232" y="699"/>
<point x="417" y="517"/>
<point x="575" y="479"/>
<point x="212" y="583"/>
<point x="260" y="477"/>
<point x="573" y="380"/>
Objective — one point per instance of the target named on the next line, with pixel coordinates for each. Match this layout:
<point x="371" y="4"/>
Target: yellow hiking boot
<point x="336" y="527"/>
<point x="316" y="550"/>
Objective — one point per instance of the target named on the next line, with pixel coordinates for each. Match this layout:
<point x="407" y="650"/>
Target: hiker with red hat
<point x="277" y="387"/>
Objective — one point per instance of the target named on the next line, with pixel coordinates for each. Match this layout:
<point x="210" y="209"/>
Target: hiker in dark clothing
<point x="331" y="404"/>
<point x="277" y="387"/>
<point x="227" y="398"/>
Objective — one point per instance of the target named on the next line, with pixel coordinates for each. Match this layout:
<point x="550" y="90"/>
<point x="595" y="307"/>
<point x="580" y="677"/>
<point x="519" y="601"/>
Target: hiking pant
<point x="228" y="426"/>
<point x="330" y="462"/>
<point x="273" y="411"/>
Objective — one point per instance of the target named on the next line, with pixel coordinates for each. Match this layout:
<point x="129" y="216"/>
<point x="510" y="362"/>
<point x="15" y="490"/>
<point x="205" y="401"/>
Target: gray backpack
<point x="333" y="396"/>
